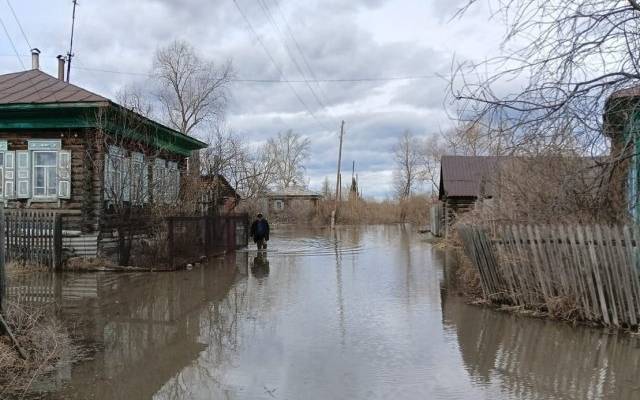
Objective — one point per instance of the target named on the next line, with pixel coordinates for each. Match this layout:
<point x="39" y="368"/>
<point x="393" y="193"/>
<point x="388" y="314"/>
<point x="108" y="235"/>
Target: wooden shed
<point x="464" y="179"/>
<point x="68" y="150"/>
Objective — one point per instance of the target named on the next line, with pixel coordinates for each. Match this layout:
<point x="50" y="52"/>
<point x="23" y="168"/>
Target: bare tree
<point x="133" y="98"/>
<point x="192" y="90"/>
<point x="563" y="59"/>
<point x="407" y="158"/>
<point x="326" y="188"/>
<point x="289" y="151"/>
<point x="248" y="169"/>
<point x="140" y="180"/>
<point x="431" y="151"/>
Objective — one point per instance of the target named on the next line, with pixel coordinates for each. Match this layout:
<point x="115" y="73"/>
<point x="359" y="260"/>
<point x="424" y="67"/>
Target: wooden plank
<point x="585" y="256"/>
<point x="610" y="286"/>
<point x="624" y="270"/>
<point x="633" y="254"/>
<point x="580" y="286"/>
<point x="596" y="275"/>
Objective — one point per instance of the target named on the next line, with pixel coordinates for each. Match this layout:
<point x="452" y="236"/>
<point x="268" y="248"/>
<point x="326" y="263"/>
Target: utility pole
<point x="335" y="207"/>
<point x="70" y="53"/>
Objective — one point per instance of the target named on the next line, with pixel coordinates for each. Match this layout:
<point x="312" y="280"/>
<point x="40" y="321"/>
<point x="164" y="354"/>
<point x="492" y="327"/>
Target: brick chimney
<point x="35" y="58"/>
<point x="60" y="67"/>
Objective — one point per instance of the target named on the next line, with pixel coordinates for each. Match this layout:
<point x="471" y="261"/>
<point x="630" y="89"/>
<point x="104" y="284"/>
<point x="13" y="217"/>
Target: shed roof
<point x="294" y="191"/>
<point x="462" y="176"/>
<point x="633" y="91"/>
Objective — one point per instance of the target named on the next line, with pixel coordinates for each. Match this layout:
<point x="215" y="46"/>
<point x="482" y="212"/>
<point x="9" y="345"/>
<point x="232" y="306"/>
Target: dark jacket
<point x="259" y="230"/>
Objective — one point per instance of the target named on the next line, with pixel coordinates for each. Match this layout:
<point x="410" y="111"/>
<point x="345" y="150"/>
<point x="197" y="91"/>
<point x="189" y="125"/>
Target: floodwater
<point x="356" y="314"/>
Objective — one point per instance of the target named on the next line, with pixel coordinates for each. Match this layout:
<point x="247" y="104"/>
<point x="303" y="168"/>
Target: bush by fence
<point x="590" y="271"/>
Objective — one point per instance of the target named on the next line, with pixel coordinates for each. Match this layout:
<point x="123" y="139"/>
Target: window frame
<point x="34" y="178"/>
<point x="2" y="161"/>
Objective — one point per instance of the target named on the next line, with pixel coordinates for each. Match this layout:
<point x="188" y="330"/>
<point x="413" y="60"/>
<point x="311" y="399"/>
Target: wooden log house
<point x="66" y="149"/>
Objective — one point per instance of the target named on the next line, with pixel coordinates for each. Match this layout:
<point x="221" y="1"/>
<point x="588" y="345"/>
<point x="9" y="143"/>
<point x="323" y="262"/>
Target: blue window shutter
<point x="64" y="174"/>
<point x="9" y="174"/>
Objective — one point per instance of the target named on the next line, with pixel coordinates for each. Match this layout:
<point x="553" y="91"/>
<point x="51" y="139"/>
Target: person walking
<point x="260" y="232"/>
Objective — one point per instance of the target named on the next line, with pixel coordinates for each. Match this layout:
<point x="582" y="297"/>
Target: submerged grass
<point x="39" y="332"/>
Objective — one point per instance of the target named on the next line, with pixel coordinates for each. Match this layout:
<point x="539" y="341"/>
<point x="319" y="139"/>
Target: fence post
<point x="246" y="230"/>
<point x="3" y="277"/>
<point x="57" y="242"/>
<point x="207" y="234"/>
<point x="170" y="239"/>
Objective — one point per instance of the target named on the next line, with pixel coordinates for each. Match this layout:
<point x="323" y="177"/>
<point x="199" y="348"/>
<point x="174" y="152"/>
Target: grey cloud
<point x="123" y="35"/>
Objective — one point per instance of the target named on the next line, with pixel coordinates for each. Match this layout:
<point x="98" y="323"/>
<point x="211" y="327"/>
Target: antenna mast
<point x="70" y="53"/>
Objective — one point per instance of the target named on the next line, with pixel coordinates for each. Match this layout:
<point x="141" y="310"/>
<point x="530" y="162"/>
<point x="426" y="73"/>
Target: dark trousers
<point x="261" y="243"/>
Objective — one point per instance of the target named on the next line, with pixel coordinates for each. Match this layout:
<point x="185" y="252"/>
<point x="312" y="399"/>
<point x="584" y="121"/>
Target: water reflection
<point x="260" y="266"/>
<point x="145" y="327"/>
<point x="537" y="359"/>
<point x="355" y="313"/>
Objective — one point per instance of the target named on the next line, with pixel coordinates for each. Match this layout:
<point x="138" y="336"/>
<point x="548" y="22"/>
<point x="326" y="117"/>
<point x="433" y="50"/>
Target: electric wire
<point x="15" y="16"/>
<point x="267" y="12"/>
<point x="275" y="64"/>
<point x="297" y="44"/>
<point x="6" y="32"/>
<point x="248" y="80"/>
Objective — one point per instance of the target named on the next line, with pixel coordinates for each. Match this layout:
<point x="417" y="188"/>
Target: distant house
<point x="464" y="179"/>
<point x="292" y="203"/>
<point x="218" y="196"/>
<point x="66" y="149"/>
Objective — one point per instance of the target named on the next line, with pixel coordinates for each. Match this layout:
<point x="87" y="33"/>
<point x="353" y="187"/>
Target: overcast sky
<point x="340" y="39"/>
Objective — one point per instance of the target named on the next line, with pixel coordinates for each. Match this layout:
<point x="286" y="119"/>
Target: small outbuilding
<point x="218" y="196"/>
<point x="463" y="180"/>
<point x="292" y="204"/>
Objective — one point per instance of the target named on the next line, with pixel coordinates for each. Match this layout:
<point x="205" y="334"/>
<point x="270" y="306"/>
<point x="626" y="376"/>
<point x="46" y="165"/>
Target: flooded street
<point x="355" y="314"/>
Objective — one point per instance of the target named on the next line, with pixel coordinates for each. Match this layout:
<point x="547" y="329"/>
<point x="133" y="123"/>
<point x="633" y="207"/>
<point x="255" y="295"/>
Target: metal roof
<point x="461" y="176"/>
<point x="633" y="91"/>
<point x="25" y="98"/>
<point x="37" y="87"/>
<point x="294" y="191"/>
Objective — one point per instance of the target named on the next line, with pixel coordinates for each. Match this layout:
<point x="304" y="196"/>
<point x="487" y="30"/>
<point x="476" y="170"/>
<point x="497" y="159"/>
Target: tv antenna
<point x="70" y="53"/>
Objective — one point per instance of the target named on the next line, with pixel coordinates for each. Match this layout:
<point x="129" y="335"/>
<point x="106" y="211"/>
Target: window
<point x="139" y="179"/>
<point x="278" y="205"/>
<point x="42" y="172"/>
<point x="127" y="178"/>
<point x="45" y="174"/>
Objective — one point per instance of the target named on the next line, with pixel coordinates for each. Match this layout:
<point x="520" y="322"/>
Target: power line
<point x="275" y="64"/>
<point x="302" y="54"/>
<point x="70" y="53"/>
<point x="267" y="12"/>
<point x="346" y="80"/>
<point x="24" y="35"/>
<point x="6" y="32"/>
<point x="248" y="80"/>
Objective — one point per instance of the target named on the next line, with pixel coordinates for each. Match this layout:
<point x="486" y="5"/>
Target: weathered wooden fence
<point x="3" y="276"/>
<point x="202" y="236"/>
<point x="33" y="237"/>
<point x="595" y="269"/>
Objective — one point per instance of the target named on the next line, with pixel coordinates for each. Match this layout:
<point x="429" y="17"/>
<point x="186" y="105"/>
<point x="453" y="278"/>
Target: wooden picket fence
<point x="33" y="237"/>
<point x="594" y="268"/>
<point x="3" y="276"/>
